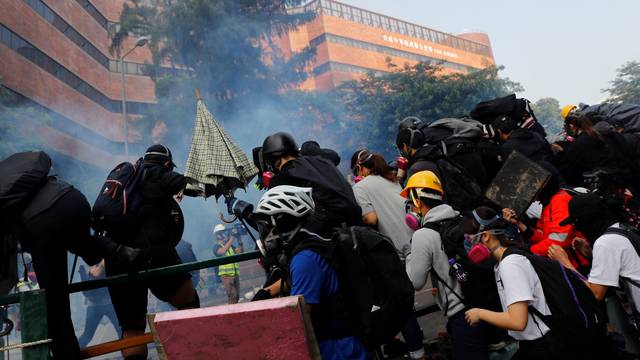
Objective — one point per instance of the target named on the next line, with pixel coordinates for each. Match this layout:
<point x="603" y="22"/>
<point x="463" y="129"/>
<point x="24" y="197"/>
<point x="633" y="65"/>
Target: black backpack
<point x="373" y="282"/>
<point x="577" y="319"/>
<point x="22" y="175"/>
<point x="119" y="203"/>
<point x="461" y="190"/>
<point x="480" y="288"/>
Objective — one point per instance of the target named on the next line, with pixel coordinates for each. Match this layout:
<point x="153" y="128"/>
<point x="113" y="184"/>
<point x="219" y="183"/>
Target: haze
<point x="568" y="50"/>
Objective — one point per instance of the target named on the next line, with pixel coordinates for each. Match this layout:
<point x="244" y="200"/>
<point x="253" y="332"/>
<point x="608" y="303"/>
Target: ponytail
<point x="374" y="162"/>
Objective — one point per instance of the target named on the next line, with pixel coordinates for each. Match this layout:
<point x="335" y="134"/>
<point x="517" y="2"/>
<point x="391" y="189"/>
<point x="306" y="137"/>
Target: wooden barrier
<point x="117" y="345"/>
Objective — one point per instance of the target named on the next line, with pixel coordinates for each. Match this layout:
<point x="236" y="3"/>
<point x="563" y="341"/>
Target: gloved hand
<point x="262" y="294"/>
<point x="131" y="256"/>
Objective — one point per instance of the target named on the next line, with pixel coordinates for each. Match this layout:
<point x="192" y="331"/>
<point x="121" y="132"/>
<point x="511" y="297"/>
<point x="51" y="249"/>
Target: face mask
<point x="476" y="251"/>
<point x="412" y="219"/>
<point x="266" y="178"/>
<point x="357" y="179"/>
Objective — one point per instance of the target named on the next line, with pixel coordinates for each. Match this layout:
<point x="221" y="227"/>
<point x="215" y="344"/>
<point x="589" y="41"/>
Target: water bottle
<point x="457" y="271"/>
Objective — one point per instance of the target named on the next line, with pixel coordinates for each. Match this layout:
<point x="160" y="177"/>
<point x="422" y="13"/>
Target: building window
<point x="31" y="53"/>
<point x="95" y="13"/>
<point x="386" y="50"/>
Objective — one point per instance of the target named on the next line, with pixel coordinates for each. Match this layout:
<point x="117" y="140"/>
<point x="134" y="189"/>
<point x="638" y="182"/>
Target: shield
<point x="216" y="165"/>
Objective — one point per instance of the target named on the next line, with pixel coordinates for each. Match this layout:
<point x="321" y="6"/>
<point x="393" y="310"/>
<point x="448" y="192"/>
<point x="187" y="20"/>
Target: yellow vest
<point x="229" y="269"/>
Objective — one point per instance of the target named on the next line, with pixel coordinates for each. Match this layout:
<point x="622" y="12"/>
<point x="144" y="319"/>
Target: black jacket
<point x="425" y="159"/>
<point x="44" y="198"/>
<point x="162" y="221"/>
<point x="332" y="194"/>
<point x="529" y="143"/>
<point x="583" y="155"/>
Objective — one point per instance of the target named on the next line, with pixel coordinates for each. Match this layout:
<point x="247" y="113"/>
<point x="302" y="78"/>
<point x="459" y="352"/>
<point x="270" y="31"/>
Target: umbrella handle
<point x="233" y="219"/>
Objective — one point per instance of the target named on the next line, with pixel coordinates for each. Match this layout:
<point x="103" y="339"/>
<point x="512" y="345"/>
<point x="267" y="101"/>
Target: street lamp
<point x="142" y="41"/>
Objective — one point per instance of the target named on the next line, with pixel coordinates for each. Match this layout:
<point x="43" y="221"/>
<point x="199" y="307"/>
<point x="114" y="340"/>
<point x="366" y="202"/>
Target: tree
<point x="547" y="111"/>
<point x="377" y="103"/>
<point x="626" y="86"/>
<point x="225" y="48"/>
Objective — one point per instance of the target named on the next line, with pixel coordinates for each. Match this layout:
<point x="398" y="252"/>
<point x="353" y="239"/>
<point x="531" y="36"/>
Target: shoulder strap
<point x="632" y="236"/>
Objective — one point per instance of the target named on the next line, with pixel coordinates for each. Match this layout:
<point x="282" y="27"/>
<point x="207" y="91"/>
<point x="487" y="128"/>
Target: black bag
<point x="374" y="283"/>
<point x="577" y="319"/>
<point x="119" y="203"/>
<point x="22" y="175"/>
<point x="487" y="111"/>
<point x="480" y="288"/>
<point x="461" y="191"/>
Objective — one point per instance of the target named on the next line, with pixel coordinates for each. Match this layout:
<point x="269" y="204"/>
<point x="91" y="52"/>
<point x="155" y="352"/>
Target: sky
<point x="566" y="49"/>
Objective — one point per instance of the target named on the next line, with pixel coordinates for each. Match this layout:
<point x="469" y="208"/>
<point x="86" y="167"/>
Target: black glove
<point x="262" y="294"/>
<point x="131" y="256"/>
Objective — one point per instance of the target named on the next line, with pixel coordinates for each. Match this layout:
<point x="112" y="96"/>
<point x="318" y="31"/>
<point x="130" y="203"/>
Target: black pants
<point x="468" y="342"/>
<point x="48" y="236"/>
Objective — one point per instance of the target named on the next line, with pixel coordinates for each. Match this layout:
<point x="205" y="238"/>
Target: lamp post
<point x="142" y="41"/>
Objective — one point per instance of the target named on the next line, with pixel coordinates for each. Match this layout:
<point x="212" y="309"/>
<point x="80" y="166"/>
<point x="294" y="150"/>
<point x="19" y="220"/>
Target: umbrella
<point x="216" y="165"/>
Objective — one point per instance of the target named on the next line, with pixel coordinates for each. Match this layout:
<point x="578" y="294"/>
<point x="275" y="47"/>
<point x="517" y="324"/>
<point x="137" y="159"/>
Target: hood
<point x="462" y="128"/>
<point x="427" y="152"/>
<point x="604" y="128"/>
<point x="440" y="213"/>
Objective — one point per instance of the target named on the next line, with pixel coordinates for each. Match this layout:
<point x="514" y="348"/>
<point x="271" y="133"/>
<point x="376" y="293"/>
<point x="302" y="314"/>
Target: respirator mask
<point x="412" y="219"/>
<point x="477" y="252"/>
<point x="273" y="241"/>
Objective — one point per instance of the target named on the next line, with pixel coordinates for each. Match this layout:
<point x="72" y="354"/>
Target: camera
<point x="239" y="208"/>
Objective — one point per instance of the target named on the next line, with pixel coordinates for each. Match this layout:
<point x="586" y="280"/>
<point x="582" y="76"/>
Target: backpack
<point x="22" y="175"/>
<point x="461" y="191"/>
<point x="577" y="319"/>
<point x="119" y="202"/>
<point x="373" y="282"/>
<point x="487" y="111"/>
<point x="480" y="288"/>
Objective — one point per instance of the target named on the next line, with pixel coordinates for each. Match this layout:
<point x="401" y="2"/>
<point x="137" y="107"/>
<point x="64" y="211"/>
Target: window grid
<point x="345" y="68"/>
<point x="387" y="50"/>
<point x="348" y="12"/>
<point x="33" y="54"/>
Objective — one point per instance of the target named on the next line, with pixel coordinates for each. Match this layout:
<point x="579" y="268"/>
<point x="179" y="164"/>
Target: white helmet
<point x="285" y="199"/>
<point x="218" y="228"/>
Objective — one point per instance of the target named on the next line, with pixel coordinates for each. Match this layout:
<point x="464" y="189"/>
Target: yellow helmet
<point x="567" y="110"/>
<point x="420" y="181"/>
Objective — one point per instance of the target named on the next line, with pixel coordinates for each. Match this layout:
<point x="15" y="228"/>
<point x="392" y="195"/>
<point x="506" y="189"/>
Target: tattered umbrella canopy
<point x="216" y="165"/>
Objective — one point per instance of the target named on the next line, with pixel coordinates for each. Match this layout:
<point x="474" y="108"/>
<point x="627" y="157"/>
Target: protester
<point x="586" y="153"/>
<point x="424" y="193"/>
<point x="616" y="262"/>
<point x="335" y="202"/>
<point x="228" y="245"/>
<point x="52" y="219"/>
<point x="282" y="213"/>
<point x="377" y="194"/>
<point x="157" y="231"/>
<point x="519" y="289"/>
<point x="527" y="142"/>
<point x="547" y="231"/>
<point x="98" y="305"/>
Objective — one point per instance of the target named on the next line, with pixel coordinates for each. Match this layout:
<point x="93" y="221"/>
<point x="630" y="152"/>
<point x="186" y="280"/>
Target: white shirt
<point x="517" y="281"/>
<point x="615" y="257"/>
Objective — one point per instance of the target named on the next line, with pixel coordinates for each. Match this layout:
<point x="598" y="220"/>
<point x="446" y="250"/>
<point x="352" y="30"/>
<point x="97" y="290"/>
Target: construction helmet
<point x="219" y="228"/>
<point x="568" y="109"/>
<point x="423" y="184"/>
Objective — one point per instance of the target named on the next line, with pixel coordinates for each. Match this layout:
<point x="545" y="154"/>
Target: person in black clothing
<point x="335" y="203"/>
<point x="157" y="231"/>
<point x="55" y="220"/>
<point x="312" y="148"/>
<point x="527" y="142"/>
<point x="421" y="156"/>
<point x="587" y="152"/>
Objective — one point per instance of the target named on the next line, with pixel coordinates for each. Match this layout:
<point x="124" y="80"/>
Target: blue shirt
<point x="314" y="278"/>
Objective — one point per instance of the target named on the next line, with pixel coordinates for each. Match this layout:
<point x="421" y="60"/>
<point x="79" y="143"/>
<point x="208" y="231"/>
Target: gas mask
<point x="412" y="219"/>
<point x="477" y="252"/>
<point x="266" y="178"/>
<point x="272" y="241"/>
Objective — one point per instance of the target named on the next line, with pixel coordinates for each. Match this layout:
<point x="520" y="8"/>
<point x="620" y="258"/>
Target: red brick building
<point x="54" y="54"/>
<point x="350" y="41"/>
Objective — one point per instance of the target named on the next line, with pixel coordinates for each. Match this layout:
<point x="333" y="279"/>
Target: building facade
<point x="350" y="42"/>
<point x="54" y="55"/>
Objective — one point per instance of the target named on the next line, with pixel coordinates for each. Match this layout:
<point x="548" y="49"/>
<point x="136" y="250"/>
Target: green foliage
<point x="547" y="111"/>
<point x="378" y="103"/>
<point x="225" y="48"/>
<point x="626" y="86"/>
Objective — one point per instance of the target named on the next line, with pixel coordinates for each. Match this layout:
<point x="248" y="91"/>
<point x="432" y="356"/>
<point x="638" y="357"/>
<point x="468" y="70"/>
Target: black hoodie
<point x="529" y="143"/>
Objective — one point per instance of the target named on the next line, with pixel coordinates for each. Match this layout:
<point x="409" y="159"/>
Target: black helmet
<point x="278" y="144"/>
<point x="159" y="153"/>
